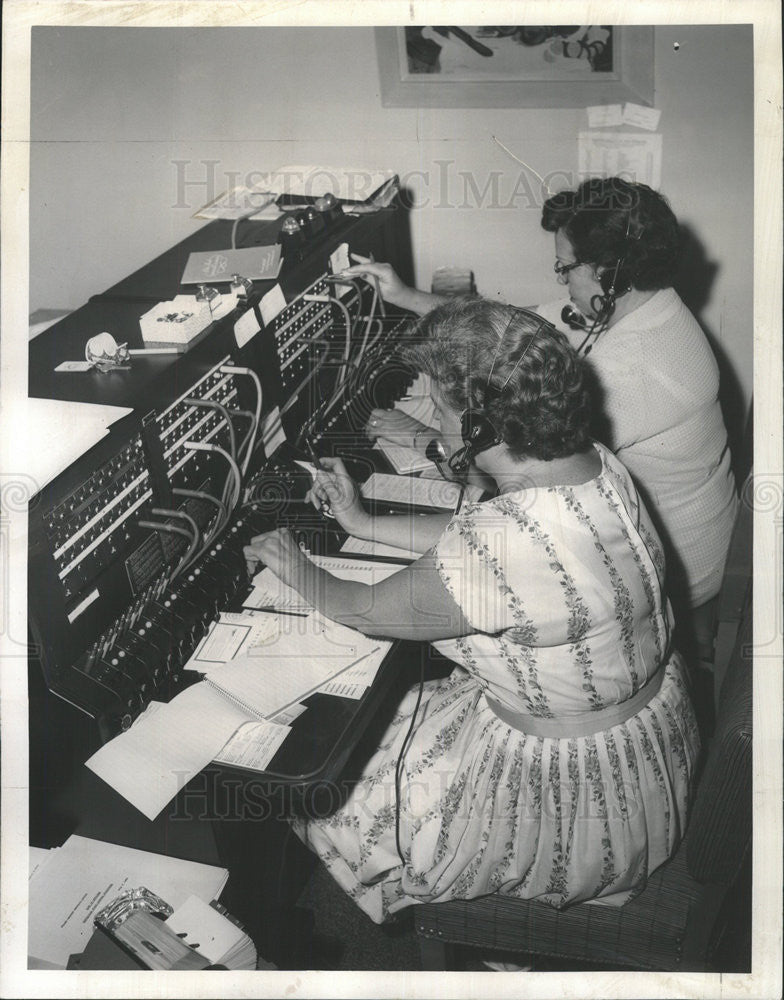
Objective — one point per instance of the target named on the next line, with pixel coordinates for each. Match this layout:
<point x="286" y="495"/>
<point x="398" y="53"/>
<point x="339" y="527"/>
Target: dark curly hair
<point x="595" y="218"/>
<point x="515" y="366"/>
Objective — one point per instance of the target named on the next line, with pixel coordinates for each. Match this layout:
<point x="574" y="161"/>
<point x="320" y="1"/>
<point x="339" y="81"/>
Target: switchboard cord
<point x="221" y="517"/>
<point x="204" y="446"/>
<point x="173" y="529"/>
<point x="238" y="370"/>
<point x="182" y="516"/>
<point x="247" y="415"/>
<point x="211" y="404"/>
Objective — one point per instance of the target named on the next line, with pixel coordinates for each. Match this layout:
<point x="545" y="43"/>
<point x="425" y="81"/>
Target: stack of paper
<point x="57" y="432"/>
<point x="401" y="458"/>
<point x="79" y="878"/>
<point x="407" y="490"/>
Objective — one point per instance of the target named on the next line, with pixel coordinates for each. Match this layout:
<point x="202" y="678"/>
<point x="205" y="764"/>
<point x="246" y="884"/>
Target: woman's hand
<point x="334" y="486"/>
<point x="390" y="287"/>
<point x="394" y="425"/>
<point x="278" y="550"/>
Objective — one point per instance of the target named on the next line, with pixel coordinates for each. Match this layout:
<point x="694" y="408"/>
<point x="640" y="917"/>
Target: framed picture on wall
<point x="501" y="66"/>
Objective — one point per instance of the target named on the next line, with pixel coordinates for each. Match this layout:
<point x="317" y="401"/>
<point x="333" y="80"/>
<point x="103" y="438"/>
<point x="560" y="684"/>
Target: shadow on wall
<point x="694" y="283"/>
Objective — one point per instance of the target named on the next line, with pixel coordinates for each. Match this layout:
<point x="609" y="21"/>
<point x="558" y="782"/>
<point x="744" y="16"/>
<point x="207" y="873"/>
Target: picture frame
<point x="565" y="69"/>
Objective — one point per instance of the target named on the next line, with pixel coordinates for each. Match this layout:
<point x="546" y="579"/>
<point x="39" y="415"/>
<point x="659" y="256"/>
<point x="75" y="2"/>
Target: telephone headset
<point x="476" y="428"/>
<point x="603" y="304"/>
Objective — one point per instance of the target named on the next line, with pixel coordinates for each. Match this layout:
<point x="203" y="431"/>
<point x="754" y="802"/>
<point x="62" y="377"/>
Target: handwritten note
<point x="416" y="492"/>
<point x="232" y="634"/>
<point x="253" y="745"/>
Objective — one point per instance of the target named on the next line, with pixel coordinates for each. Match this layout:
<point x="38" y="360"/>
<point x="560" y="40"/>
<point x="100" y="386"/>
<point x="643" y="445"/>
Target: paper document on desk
<point x="365" y="547"/>
<point x="253" y="745"/>
<point x="232" y="635"/>
<point x="401" y="458"/>
<point x="84" y="875"/>
<point x="38" y="858"/>
<point x="56" y="433"/>
<point x="271" y="593"/>
<point x="166" y="747"/>
<point x="306" y="654"/>
<point x="358" y="570"/>
<point x="411" y="491"/>
<point x="169" y="744"/>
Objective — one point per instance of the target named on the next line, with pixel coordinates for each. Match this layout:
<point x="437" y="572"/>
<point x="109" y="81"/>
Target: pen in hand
<point x="326" y="510"/>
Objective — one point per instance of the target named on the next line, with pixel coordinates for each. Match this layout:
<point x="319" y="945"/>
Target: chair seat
<point x="664" y="928"/>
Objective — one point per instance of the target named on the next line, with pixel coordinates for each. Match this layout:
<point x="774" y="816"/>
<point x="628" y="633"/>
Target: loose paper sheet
<point x="629" y="154"/>
<point x="419" y="492"/>
<point x="162" y="751"/>
<point x="232" y="634"/>
<point x="362" y="546"/>
<point x="253" y="745"/>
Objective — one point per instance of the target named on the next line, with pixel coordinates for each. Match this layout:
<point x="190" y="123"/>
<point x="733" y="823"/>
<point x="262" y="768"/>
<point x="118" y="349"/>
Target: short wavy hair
<point x="596" y="218"/>
<point x="514" y="365"/>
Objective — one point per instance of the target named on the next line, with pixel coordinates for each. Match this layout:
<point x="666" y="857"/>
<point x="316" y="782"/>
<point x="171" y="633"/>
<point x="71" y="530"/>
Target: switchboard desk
<point x="92" y="565"/>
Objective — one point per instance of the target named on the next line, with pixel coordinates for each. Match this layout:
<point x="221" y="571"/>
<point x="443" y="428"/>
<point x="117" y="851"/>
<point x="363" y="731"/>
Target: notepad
<point x="366" y="547"/>
<point x="401" y="458"/>
<point x="232" y="635"/>
<point x="416" y="492"/>
<point x="167" y="747"/>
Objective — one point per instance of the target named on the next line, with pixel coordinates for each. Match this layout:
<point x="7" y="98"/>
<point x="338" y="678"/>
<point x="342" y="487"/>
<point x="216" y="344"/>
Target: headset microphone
<point x="574" y="319"/>
<point x="436" y="452"/>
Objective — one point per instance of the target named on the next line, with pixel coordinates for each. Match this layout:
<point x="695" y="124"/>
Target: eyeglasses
<point x="562" y="269"/>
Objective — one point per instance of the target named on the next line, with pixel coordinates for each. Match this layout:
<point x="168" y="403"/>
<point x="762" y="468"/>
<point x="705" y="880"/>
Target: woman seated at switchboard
<point x="555" y="762"/>
<point x="617" y="251"/>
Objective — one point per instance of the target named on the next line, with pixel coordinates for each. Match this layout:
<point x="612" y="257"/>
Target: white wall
<point x="114" y="108"/>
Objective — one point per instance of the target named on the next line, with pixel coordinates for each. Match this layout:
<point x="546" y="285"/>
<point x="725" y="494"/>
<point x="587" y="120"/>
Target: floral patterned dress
<point x="563" y="588"/>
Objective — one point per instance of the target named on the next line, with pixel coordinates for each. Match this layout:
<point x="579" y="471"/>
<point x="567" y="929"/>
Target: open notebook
<point x="305" y="654"/>
<point x="170" y="743"/>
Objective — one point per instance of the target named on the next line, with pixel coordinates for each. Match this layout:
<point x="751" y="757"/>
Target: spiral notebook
<point x="303" y="656"/>
<point x="169" y="744"/>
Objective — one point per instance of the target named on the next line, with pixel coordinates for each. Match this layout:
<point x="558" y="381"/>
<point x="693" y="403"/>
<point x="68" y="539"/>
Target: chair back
<point x="719" y="835"/>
